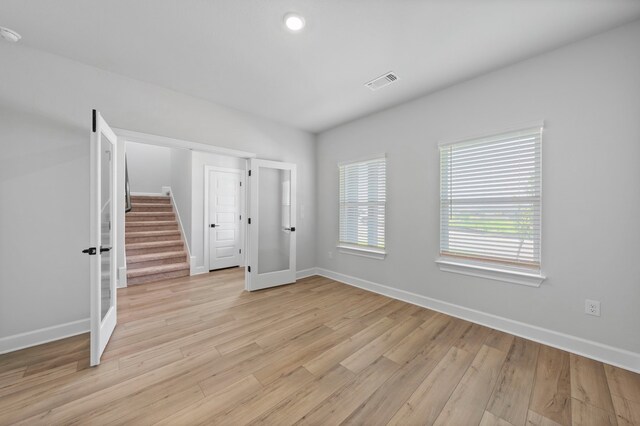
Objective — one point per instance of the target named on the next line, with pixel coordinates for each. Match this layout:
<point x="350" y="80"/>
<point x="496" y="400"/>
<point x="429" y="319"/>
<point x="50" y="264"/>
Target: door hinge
<point x="249" y="268"/>
<point x="91" y="251"/>
<point x="239" y="251"/>
<point x="249" y="172"/>
<point x="240" y="217"/>
<point x="94" y="123"/>
<point x="240" y="183"/>
<point x="249" y="221"/>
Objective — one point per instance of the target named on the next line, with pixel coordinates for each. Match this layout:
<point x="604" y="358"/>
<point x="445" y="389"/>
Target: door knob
<point x="213" y="225"/>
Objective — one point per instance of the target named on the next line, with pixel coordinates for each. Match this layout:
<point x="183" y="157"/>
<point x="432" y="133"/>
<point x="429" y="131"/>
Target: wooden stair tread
<point x="155" y="247"/>
<point x="145" y="214"/>
<point x="152" y="233"/>
<point x="154" y="270"/>
<point x="152" y="244"/>
<point x="155" y="256"/>
<point x="163" y="205"/>
<point x="150" y="197"/>
<point x="153" y="223"/>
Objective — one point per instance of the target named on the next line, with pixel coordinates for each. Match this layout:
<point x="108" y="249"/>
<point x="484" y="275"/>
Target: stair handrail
<point x="127" y="189"/>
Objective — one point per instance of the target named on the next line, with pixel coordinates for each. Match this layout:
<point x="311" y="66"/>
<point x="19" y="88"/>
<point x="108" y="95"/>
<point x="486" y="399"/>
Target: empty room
<point x="327" y="212"/>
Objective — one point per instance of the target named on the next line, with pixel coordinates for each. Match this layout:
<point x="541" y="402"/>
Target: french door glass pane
<point x="105" y="227"/>
<point x="274" y="210"/>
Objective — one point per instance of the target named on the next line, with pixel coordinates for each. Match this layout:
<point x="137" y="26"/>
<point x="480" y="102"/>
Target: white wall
<point x="588" y="93"/>
<point x="149" y="167"/>
<point x="46" y="103"/>
<point x="181" y="187"/>
<point x="199" y="161"/>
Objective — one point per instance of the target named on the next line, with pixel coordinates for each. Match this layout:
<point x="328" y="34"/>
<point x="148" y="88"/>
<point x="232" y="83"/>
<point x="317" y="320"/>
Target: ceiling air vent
<point x="383" y="80"/>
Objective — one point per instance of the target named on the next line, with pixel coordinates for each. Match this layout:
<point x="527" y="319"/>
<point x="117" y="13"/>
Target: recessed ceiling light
<point x="294" y="22"/>
<point x="9" y="35"/>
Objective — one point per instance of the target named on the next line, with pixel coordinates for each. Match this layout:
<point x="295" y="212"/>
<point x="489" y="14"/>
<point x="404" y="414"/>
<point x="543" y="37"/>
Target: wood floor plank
<point x="551" y="396"/>
<point x="370" y="352"/>
<point x="389" y="397"/>
<point x="202" y="350"/>
<point x="266" y="398"/>
<point x="584" y="414"/>
<point x="474" y="389"/>
<point x="489" y="419"/>
<point x="426" y="402"/>
<point x="344" y="401"/>
<point x="535" y="419"/>
<point x="205" y="410"/>
<point x="623" y="383"/>
<point x="334" y="355"/>
<point x="510" y="398"/>
<point x="589" y="383"/>
<point x="408" y="347"/>
<point x="627" y="412"/>
<point x="499" y="340"/>
<point x="294" y="407"/>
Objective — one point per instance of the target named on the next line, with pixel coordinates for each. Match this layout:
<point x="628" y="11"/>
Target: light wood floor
<point x="201" y="350"/>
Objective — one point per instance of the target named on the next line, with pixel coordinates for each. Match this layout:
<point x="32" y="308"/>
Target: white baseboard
<point x="43" y="335"/>
<point x="304" y="273"/>
<point x="608" y="354"/>
<point x="196" y="270"/>
<point x="122" y="277"/>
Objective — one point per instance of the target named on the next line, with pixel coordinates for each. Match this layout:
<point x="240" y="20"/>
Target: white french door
<point x="272" y="216"/>
<point x="102" y="249"/>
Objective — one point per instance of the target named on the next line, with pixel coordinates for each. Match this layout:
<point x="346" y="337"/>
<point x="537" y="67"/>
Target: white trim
<point x="122" y="276"/>
<point x="182" y="233"/>
<point x="532" y="279"/>
<point x="150" y="139"/>
<point x="371" y="253"/>
<point x="148" y="194"/>
<point x="363" y="159"/>
<point x="608" y="354"/>
<point x="490" y="133"/>
<point x="196" y="270"/>
<point x="44" y="335"/>
<point x="304" y="273"/>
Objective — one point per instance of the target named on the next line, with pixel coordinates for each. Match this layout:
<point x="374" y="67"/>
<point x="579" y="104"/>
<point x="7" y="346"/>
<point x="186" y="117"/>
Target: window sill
<point x="531" y="279"/>
<point x="361" y="251"/>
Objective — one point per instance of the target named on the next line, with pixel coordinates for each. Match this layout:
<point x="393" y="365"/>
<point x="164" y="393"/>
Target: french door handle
<point x="103" y="249"/>
<point x="90" y="251"/>
<point x="292" y="229"/>
<point x="213" y="225"/>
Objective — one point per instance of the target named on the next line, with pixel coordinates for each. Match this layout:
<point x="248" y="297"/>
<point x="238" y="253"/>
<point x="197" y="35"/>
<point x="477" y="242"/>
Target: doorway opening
<point x="189" y="204"/>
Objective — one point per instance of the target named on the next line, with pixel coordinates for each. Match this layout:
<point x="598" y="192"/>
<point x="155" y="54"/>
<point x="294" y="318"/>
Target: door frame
<point x="242" y="208"/>
<point x="125" y="136"/>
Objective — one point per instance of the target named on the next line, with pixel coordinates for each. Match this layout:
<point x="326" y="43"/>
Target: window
<point x="362" y="206"/>
<point x="490" y="202"/>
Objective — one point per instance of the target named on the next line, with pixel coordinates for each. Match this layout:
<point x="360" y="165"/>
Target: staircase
<point x="154" y="246"/>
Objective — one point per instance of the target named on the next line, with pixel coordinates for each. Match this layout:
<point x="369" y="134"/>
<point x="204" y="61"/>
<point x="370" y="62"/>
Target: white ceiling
<point x="237" y="53"/>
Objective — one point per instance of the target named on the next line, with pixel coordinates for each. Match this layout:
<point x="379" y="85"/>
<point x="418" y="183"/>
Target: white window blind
<point x="362" y="203"/>
<point x="490" y="199"/>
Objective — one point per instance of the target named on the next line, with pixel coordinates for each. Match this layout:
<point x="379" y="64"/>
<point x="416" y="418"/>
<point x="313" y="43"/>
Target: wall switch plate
<point x="592" y="307"/>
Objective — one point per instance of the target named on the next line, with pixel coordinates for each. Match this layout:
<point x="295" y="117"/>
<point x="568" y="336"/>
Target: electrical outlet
<point x="330" y="255"/>
<point x="592" y="307"/>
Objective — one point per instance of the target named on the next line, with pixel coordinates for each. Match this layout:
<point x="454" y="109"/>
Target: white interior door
<point x="102" y="248"/>
<point x="272" y="215"/>
<point x="224" y="218"/>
